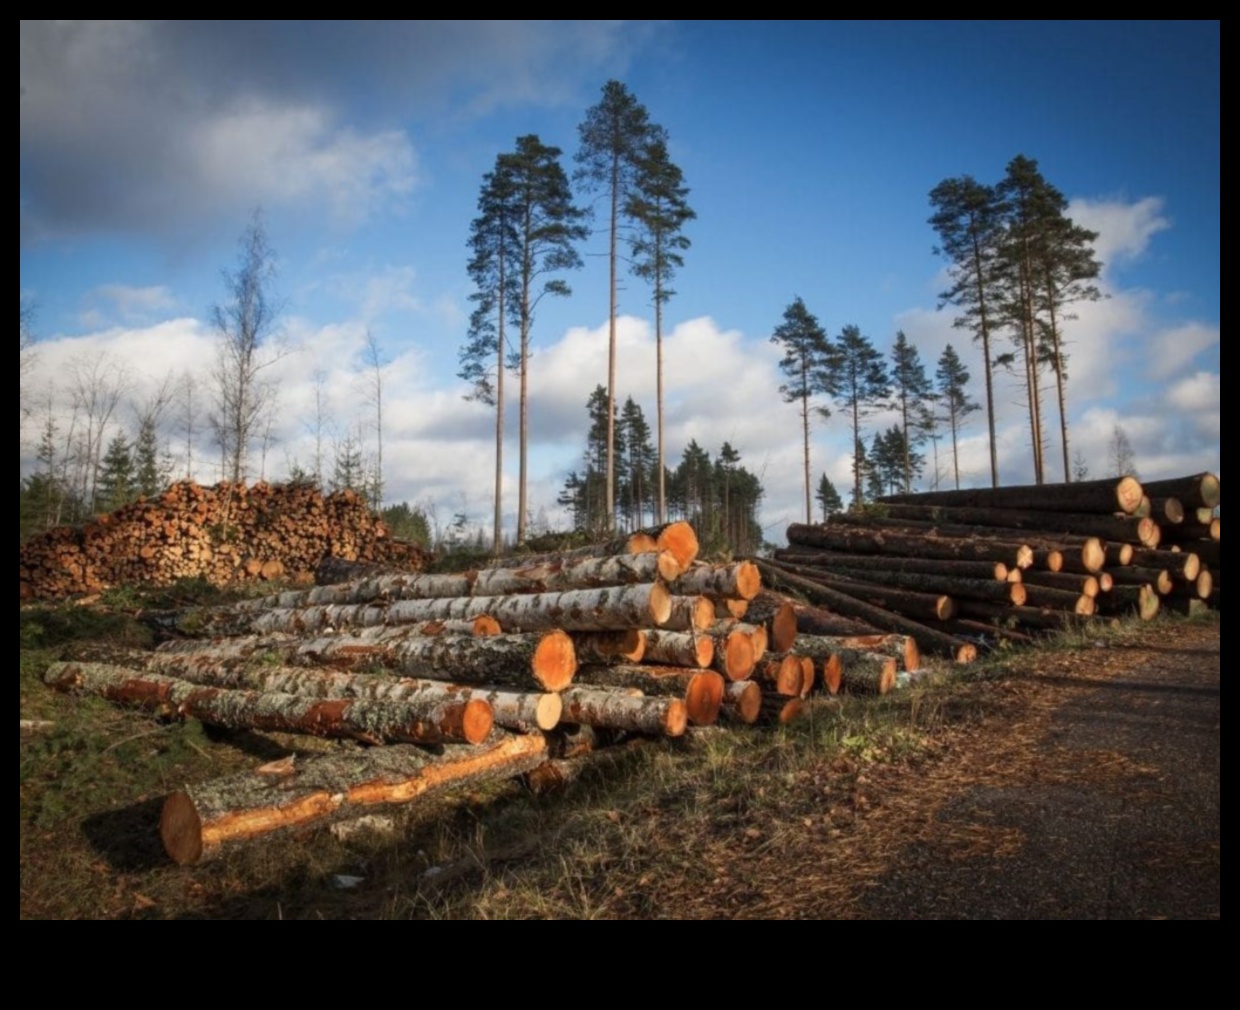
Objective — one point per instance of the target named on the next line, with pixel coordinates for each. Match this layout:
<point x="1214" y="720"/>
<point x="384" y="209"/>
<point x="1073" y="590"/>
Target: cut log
<point x="739" y="579"/>
<point x="734" y="654"/>
<point x="572" y="573"/>
<point x="687" y="613"/>
<point x="1061" y="599"/>
<point x="778" y="616"/>
<point x="785" y="673"/>
<point x="200" y="821"/>
<point x="995" y="570"/>
<point x="627" y="646"/>
<point x="538" y="661"/>
<point x="1199" y="491"/>
<point x="1136" y="575"/>
<point x="777" y="710"/>
<point x="1112" y="494"/>
<point x="1108" y="527"/>
<point x="413" y="720"/>
<point x="1065" y="581"/>
<point x="659" y="716"/>
<point x="812" y="620"/>
<point x="863" y="540"/>
<point x="851" y="668"/>
<point x="1183" y="564"/>
<point x="701" y="690"/>
<point x="902" y="648"/>
<point x="881" y="620"/>
<point x="1140" y="600"/>
<point x="913" y="604"/>
<point x="742" y="702"/>
<point x="679" y="648"/>
<point x="947" y="586"/>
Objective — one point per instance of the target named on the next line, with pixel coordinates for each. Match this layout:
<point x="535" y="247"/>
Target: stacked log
<point x="224" y="534"/>
<point x="939" y="566"/>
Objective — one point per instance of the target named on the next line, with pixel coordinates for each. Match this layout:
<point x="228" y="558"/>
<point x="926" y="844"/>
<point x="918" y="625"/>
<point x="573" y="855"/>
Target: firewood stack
<point x="225" y="534"/>
<point x="948" y="566"/>
<point x="566" y="653"/>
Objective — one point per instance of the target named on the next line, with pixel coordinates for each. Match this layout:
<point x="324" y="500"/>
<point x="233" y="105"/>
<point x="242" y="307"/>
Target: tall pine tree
<point x="659" y="208"/>
<point x="912" y="390"/>
<point x="863" y="384"/>
<point x="952" y="379"/>
<point x="614" y="136"/>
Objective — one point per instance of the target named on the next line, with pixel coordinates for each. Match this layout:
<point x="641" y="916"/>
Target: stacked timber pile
<point x="224" y="534"/>
<point x="948" y="566"/>
<point x="529" y="667"/>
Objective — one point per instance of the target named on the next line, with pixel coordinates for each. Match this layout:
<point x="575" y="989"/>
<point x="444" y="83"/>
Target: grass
<point x="705" y="826"/>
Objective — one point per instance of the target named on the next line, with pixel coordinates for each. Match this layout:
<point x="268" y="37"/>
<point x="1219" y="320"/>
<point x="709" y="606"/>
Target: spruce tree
<point x="828" y="498"/>
<point x="115" y="486"/>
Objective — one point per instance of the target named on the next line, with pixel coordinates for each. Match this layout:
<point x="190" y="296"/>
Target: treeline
<point x="720" y="497"/>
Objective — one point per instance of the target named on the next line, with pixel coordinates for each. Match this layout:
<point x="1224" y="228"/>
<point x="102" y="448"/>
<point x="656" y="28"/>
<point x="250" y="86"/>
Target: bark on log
<point x="627" y="646"/>
<point x="538" y="660"/>
<point x="947" y="586"/>
<point x="1112" y="494"/>
<point x="902" y="648"/>
<point x="678" y="538"/>
<point x="1182" y="564"/>
<point x="1108" y="527"/>
<point x="812" y="620"/>
<point x="785" y="673"/>
<point x="739" y="579"/>
<point x="558" y="774"/>
<point x="742" y="702"/>
<point x="777" y="710"/>
<point x="734" y="653"/>
<point x="863" y="540"/>
<point x="701" y="690"/>
<point x="417" y="720"/>
<point x="1167" y="510"/>
<point x="1136" y="575"/>
<point x="1143" y="601"/>
<point x="995" y="570"/>
<point x="919" y="606"/>
<point x="679" y="648"/>
<point x="1025" y="617"/>
<point x="570" y="573"/>
<point x="856" y="669"/>
<point x="688" y="613"/>
<point x="1188" y="532"/>
<point x="778" y="616"/>
<point x="615" y="710"/>
<point x="200" y="821"/>
<point x="1061" y="599"/>
<point x="1198" y="491"/>
<point x="1071" y="582"/>
<point x="927" y="638"/>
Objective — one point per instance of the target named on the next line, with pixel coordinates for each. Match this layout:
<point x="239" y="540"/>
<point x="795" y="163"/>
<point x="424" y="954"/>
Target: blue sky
<point x="809" y="149"/>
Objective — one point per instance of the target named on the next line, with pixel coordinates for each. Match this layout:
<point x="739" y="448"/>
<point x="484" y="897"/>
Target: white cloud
<point x="1172" y="350"/>
<point x="1124" y="229"/>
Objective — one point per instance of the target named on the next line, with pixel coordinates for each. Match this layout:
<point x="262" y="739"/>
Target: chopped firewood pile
<point x="540" y="666"/>
<point x="950" y="568"/>
<point x="225" y="534"/>
<point x="531" y="667"/>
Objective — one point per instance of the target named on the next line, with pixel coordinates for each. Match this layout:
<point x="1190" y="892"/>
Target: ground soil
<point x="1093" y="794"/>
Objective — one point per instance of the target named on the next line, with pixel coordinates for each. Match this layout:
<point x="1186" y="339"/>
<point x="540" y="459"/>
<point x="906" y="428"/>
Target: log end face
<point x="1128" y="495"/>
<point x="704" y="697"/>
<point x="748" y="580"/>
<point x="681" y="540"/>
<point x="555" y="661"/>
<point x="676" y="718"/>
<point x="832" y="674"/>
<point x="180" y="829"/>
<point x="476" y="720"/>
<point x="548" y="711"/>
<point x="660" y="604"/>
<point x="783" y="628"/>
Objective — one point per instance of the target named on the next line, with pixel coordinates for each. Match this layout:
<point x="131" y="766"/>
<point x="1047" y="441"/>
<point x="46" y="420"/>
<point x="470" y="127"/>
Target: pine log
<point x="572" y="573"/>
<point x="557" y="774"/>
<point x="812" y="620"/>
<point x="727" y="608"/>
<point x="950" y="586"/>
<point x="902" y="648"/>
<point x="1021" y="617"/>
<point x="995" y="570"/>
<point x="1135" y="575"/>
<point x="909" y="602"/>
<point x="878" y="619"/>
<point x="523" y="711"/>
<point x="658" y="716"/>
<point x="1065" y="581"/>
<point x="849" y="667"/>
<point x="1186" y="606"/>
<point x="607" y="609"/>
<point x="679" y="648"/>
<point x="1108" y="527"/>
<point x="419" y="719"/>
<point x="1199" y="491"/>
<point x="701" y="690"/>
<point x="778" y="710"/>
<point x="1112" y="494"/>
<point x="688" y="613"/>
<point x="1182" y="564"/>
<point x="200" y="821"/>
<point x="1167" y="510"/>
<point x="534" y="661"/>
<point x="783" y="673"/>
<point x="863" y="540"/>
<point x="742" y="702"/>
<point x="966" y="628"/>
<point x="1140" y="600"/>
<point x="777" y="615"/>
<point x="1061" y="599"/>
<point x="739" y="579"/>
<point x="1187" y="532"/>
<point x="628" y="646"/>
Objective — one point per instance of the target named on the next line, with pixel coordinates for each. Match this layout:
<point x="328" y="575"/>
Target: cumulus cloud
<point x="1124" y="229"/>
<point x="1175" y="349"/>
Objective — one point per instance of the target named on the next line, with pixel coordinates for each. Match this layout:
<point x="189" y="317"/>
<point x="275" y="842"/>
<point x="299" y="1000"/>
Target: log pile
<point x="947" y="567"/>
<point x="576" y="651"/>
<point x="224" y="534"/>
